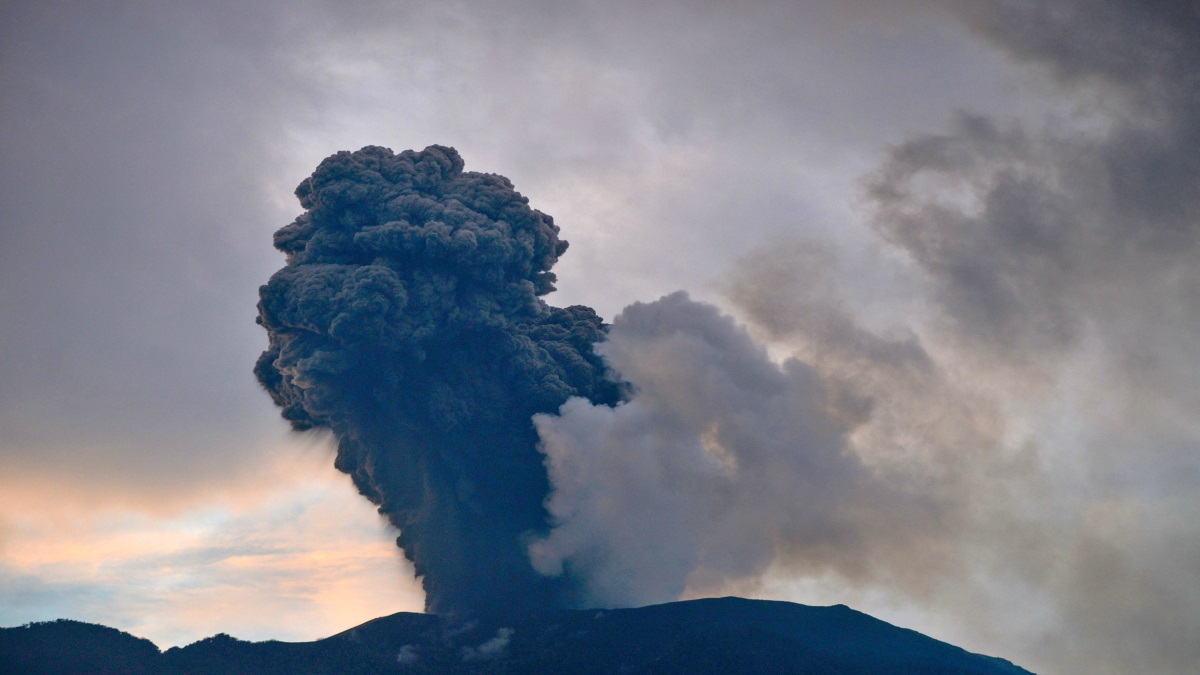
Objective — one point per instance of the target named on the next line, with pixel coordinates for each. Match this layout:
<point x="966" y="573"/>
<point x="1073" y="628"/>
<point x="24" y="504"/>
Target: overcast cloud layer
<point x="953" y="247"/>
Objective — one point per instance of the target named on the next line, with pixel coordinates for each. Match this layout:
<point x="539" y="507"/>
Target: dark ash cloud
<point x="409" y="321"/>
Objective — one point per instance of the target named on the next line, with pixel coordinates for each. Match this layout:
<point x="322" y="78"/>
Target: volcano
<point x="719" y="635"/>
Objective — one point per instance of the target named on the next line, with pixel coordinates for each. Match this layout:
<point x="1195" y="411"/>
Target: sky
<point x="942" y="256"/>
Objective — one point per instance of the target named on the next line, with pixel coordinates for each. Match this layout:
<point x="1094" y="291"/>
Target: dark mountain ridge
<point x="719" y="635"/>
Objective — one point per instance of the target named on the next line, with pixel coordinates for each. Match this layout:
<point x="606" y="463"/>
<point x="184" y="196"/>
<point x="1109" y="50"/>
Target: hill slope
<point x="722" y="635"/>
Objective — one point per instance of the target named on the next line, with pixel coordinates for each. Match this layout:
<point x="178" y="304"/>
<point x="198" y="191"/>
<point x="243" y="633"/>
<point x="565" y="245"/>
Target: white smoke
<point x="490" y="649"/>
<point x="723" y="462"/>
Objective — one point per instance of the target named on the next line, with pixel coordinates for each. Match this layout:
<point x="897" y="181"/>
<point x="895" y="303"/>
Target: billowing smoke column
<point x="408" y="321"/>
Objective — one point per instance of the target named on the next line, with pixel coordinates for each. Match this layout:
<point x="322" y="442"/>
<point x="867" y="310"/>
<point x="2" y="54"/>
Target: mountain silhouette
<point x="719" y="635"/>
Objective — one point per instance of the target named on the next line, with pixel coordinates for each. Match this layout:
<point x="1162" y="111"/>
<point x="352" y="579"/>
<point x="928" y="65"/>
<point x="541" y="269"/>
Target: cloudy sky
<point x="971" y="225"/>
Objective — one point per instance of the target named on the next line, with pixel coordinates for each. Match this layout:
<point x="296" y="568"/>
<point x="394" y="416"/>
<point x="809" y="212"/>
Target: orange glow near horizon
<point x="300" y="543"/>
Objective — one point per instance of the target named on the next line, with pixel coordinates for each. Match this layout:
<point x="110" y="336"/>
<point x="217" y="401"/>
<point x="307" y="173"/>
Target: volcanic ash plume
<point x="408" y="321"/>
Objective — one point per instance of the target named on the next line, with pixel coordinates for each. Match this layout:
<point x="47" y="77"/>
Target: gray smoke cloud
<point x="1063" y="260"/>
<point x="1028" y="235"/>
<point x="723" y="463"/>
<point x="408" y="321"/>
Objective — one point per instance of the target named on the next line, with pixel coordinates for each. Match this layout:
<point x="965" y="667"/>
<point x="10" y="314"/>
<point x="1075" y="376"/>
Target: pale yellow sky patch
<point x="294" y="542"/>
